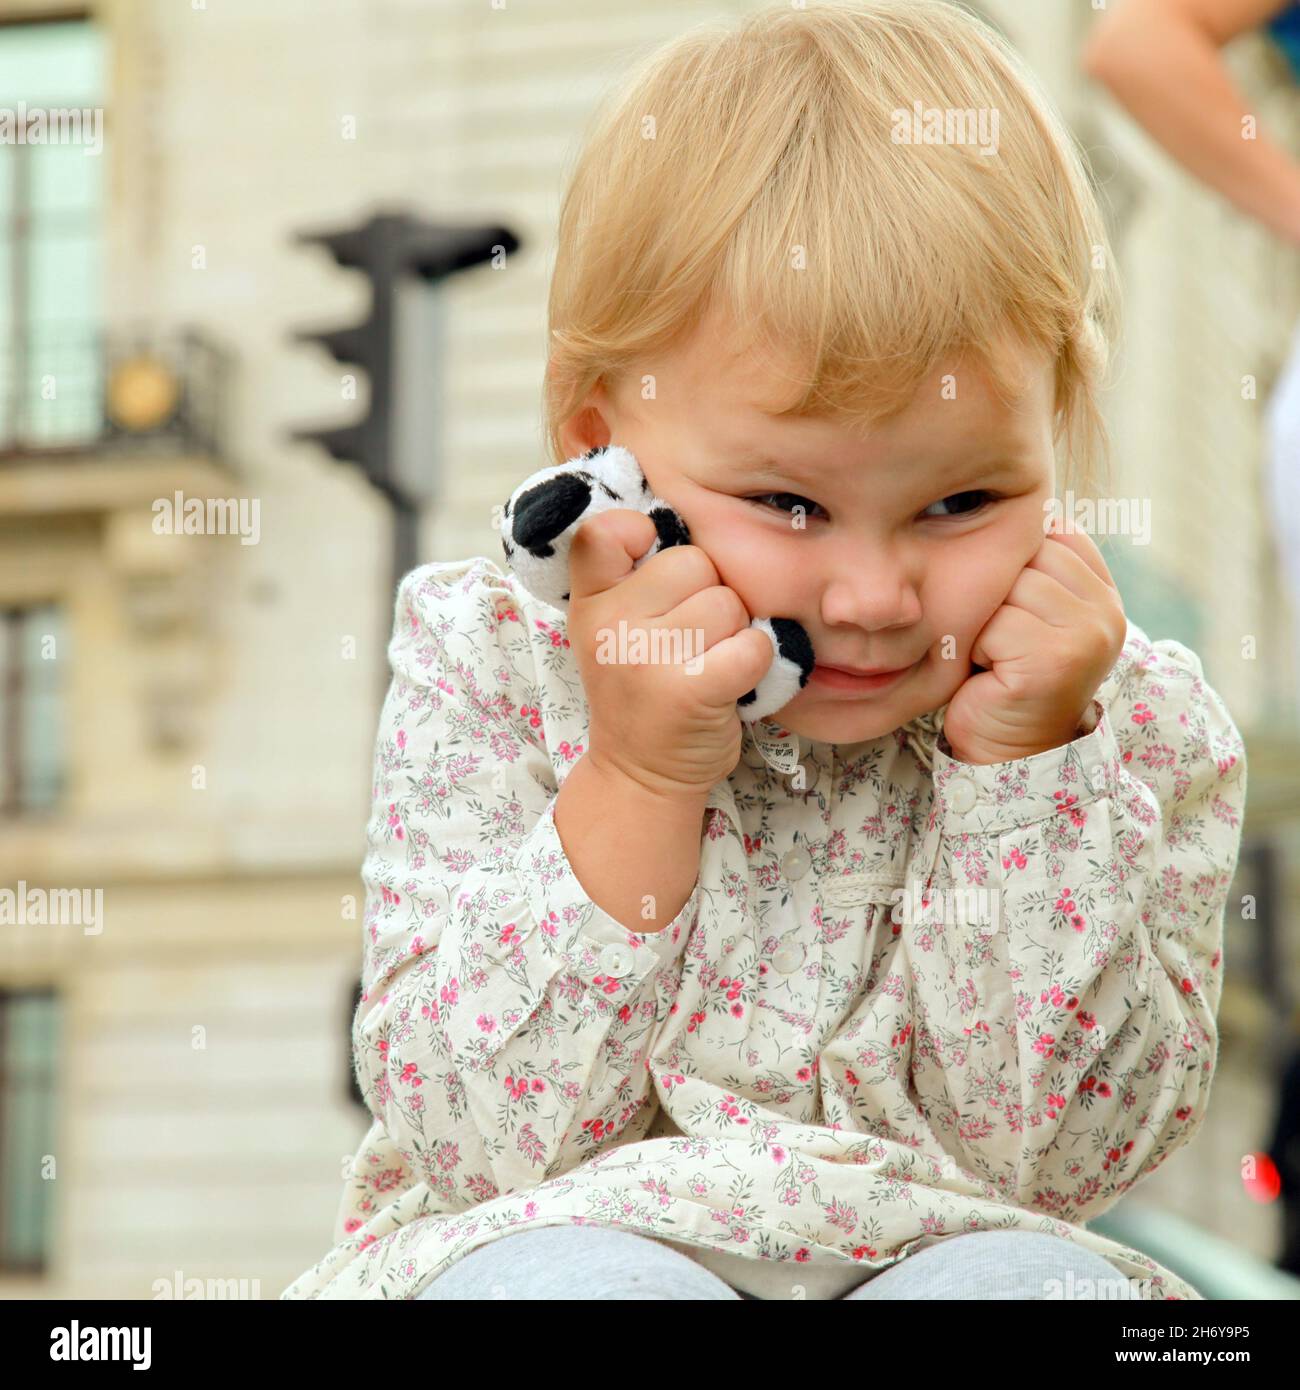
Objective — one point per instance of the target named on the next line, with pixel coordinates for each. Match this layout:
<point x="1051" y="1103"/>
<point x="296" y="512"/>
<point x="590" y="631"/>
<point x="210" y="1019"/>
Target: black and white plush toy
<point x="547" y="508"/>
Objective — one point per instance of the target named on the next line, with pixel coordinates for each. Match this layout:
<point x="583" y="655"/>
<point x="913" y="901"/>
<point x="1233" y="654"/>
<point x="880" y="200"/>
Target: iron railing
<point x="55" y="384"/>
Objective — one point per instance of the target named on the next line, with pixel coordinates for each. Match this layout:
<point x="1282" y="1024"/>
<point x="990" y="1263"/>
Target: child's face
<point x="890" y="567"/>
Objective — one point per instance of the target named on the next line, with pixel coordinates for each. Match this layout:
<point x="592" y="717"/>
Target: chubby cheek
<point x="958" y="606"/>
<point x="742" y="559"/>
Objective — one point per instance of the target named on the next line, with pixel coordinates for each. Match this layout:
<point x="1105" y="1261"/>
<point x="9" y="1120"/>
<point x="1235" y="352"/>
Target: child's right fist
<point x="665" y="651"/>
<point x="542" y="516"/>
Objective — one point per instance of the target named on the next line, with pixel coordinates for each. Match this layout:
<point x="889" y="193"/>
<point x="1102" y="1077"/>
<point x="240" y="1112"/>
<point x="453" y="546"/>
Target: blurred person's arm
<point x="1161" y="61"/>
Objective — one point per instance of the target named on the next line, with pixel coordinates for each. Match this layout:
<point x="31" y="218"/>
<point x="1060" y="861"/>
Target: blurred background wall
<point x="186" y="721"/>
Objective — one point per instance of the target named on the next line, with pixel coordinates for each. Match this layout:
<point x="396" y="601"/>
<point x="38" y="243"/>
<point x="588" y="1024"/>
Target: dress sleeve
<point x="1068" y="964"/>
<point x="504" y="1015"/>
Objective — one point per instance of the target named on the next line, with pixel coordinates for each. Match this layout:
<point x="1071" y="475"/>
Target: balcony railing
<point x="79" y="392"/>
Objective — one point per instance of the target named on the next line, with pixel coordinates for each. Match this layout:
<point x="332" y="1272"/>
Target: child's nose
<point x="871" y="590"/>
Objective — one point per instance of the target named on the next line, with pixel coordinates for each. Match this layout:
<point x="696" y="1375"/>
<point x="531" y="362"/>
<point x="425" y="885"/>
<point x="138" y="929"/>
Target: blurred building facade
<point x="187" y="720"/>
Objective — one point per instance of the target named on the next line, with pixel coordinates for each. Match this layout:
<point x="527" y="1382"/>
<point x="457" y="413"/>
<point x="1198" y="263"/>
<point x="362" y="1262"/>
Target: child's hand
<point x="671" y="729"/>
<point x="1048" y="647"/>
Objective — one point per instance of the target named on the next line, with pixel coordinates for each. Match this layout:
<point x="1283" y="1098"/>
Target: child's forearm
<point x="634" y="852"/>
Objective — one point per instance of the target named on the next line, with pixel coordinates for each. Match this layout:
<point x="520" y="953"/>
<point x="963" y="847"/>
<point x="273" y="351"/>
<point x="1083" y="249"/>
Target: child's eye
<point x="765" y="499"/>
<point x="974" y="501"/>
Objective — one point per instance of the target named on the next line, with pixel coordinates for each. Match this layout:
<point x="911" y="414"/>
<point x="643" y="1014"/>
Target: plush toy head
<point x="547" y="508"/>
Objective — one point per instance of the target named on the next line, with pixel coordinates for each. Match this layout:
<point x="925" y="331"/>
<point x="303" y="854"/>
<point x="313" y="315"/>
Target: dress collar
<point x="768" y="741"/>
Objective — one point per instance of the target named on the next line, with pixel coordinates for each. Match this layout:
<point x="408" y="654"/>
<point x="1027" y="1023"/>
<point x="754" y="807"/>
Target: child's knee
<point x="577" y="1262"/>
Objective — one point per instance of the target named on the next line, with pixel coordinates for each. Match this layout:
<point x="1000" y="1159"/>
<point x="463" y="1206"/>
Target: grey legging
<point x="601" y="1262"/>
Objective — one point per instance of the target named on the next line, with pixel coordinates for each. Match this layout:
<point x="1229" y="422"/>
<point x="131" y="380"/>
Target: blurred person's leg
<point x="1284" y="1150"/>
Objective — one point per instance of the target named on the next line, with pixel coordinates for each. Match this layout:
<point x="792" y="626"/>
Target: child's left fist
<point x="1047" y="649"/>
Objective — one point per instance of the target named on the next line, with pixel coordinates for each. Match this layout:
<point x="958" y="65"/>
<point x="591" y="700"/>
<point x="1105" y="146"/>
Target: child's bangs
<point x="848" y="343"/>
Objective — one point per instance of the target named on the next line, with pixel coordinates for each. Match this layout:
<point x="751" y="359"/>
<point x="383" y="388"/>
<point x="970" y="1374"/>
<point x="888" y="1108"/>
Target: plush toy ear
<point x="542" y="514"/>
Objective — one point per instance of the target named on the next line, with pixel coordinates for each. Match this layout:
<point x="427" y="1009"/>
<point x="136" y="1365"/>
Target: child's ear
<point x="585" y="429"/>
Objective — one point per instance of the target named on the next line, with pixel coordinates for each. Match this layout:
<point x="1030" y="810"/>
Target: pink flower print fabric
<point x="907" y="998"/>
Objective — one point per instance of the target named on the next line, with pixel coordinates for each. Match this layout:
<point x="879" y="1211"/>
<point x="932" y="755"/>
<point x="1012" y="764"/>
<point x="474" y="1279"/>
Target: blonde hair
<point x="731" y="150"/>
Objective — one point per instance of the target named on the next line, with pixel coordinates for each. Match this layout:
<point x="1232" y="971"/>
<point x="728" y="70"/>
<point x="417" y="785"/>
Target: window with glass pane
<point x="34" y="657"/>
<point x="51" y="212"/>
<point x="29" y="1042"/>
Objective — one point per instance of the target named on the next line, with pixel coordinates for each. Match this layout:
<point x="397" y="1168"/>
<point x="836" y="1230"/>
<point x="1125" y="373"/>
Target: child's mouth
<point x="829" y="678"/>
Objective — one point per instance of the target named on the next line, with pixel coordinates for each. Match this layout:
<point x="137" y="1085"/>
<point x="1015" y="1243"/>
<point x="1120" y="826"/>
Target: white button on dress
<point x="788" y="957"/>
<point x="795" y="863"/>
<point x="615" y="959"/>
<point x="961" y="794"/>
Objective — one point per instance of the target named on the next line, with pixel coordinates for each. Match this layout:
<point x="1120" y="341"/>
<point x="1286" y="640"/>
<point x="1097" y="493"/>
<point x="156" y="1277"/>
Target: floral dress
<point x="908" y="997"/>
